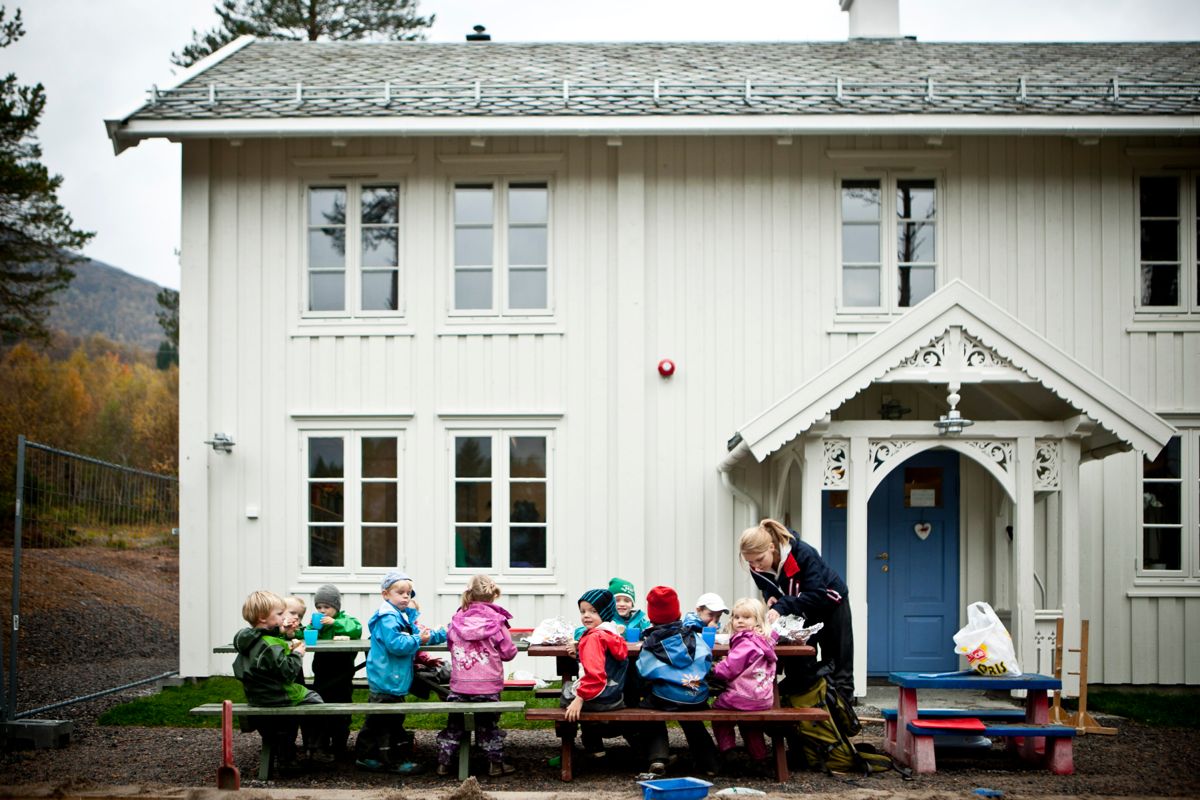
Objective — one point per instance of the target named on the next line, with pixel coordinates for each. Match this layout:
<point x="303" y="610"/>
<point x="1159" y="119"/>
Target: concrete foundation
<point x="37" y="734"/>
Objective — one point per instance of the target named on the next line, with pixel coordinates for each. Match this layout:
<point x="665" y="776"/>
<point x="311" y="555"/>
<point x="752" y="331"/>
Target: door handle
<point x="882" y="556"/>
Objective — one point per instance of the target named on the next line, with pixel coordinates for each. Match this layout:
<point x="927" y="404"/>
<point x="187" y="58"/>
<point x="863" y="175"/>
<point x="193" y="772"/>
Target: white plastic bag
<point x="986" y="643"/>
<point x="551" y="631"/>
<point x="791" y="629"/>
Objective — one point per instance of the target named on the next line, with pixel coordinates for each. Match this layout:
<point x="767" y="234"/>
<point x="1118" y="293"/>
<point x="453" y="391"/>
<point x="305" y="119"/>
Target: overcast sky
<point x="96" y="58"/>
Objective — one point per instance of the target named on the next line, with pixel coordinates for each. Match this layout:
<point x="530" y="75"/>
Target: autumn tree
<point x="307" y="20"/>
<point x="36" y="233"/>
<point x="168" y="320"/>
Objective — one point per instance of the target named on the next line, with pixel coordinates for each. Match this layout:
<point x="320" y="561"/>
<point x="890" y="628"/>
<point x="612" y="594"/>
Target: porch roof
<point x="1120" y="419"/>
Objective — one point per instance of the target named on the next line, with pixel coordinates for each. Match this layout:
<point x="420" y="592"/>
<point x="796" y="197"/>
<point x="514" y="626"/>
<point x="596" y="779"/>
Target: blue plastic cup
<point x="633" y="634"/>
<point x="310" y="637"/>
<point x="710" y="636"/>
<point x="316" y="619"/>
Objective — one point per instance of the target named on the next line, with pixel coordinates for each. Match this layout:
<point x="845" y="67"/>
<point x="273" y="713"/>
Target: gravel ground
<point x="133" y="592"/>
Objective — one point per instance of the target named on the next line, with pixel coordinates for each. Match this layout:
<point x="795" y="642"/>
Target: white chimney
<point x="873" y="19"/>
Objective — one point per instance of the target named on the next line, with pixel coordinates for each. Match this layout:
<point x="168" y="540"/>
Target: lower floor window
<point x="501" y="481"/>
<point x="353" y="494"/>
<point x="1171" y="509"/>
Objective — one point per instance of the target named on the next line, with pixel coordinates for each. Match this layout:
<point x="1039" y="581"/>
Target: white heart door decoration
<point x="922" y="530"/>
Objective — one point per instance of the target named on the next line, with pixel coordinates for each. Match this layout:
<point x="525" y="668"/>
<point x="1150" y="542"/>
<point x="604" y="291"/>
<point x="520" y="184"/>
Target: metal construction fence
<point x="94" y="562"/>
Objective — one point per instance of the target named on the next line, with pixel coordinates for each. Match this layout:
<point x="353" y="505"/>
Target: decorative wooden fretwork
<point x="998" y="452"/>
<point x="931" y="355"/>
<point x="883" y="451"/>
<point x="1046" y="465"/>
<point x="837" y="458"/>
<point x="977" y="354"/>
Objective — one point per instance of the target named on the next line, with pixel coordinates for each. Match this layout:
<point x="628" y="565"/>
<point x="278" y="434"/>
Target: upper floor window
<point x="1171" y="509"/>
<point x="353" y="497"/>
<point x="888" y="243"/>
<point x="353" y="249"/>
<point x="1168" y="252"/>
<point x="509" y="472"/>
<point x="501" y="248"/>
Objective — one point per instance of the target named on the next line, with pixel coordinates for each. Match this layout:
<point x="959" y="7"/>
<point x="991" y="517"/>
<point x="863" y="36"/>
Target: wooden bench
<point x="566" y="730"/>
<point x="468" y="710"/>
<point x="988" y="714"/>
<point x="1059" y="756"/>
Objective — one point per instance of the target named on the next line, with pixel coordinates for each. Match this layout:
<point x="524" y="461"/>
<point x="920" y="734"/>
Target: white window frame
<point x="500" y="432"/>
<point x="889" y="264"/>
<point x="1189" y="478"/>
<point x="1188" y="247"/>
<point x="501" y="269"/>
<point x="352" y="481"/>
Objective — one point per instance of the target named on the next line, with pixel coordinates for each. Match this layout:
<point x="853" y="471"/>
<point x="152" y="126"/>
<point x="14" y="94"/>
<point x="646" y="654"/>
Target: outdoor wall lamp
<point x="952" y="421"/>
<point x="221" y="443"/>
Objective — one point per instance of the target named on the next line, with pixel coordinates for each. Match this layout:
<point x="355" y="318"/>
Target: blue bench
<point x="1059" y="740"/>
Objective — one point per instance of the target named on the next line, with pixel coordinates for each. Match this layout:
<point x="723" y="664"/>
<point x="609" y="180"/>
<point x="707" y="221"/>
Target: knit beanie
<point x="392" y="577"/>
<point x="602" y="601"/>
<point x="328" y="595"/>
<point x="662" y="605"/>
<point x="621" y="586"/>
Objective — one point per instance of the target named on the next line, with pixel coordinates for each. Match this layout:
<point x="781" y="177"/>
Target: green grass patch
<point x="169" y="708"/>
<point x="1160" y="709"/>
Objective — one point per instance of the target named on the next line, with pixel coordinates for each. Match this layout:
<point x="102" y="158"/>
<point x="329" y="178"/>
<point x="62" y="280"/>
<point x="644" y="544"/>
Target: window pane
<point x="527" y="457"/>
<point x="527" y="288"/>
<point x="326" y="291"/>
<point x="472" y="205"/>
<point x="379" y="547"/>
<point x="379" y="247"/>
<point x="473" y="289"/>
<point x="472" y="247"/>
<point x="915" y="199"/>
<point x="1159" y="196"/>
<point x="1160" y="285"/>
<point x="860" y="201"/>
<point x="473" y="546"/>
<point x="860" y="244"/>
<point x="1166" y="464"/>
<point x="472" y="501"/>
<point x="325" y="546"/>
<point x="1160" y="240"/>
<point x="327" y="205"/>
<point x="916" y="283"/>
<point x="1161" y="549"/>
<point x="1161" y="503"/>
<point x="528" y="502"/>
<point x="860" y="286"/>
<point x="326" y="502"/>
<point x="379" y="457"/>
<point x="327" y="247"/>
<point x="380" y="290"/>
<point x="379" y="204"/>
<point x="379" y="502"/>
<point x="528" y="203"/>
<point x="325" y="457"/>
<point x="527" y="547"/>
<point x="915" y="242"/>
<point x="527" y="246"/>
<point x="473" y="456"/>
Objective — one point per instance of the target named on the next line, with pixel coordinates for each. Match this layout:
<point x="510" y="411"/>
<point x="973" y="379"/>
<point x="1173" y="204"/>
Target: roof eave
<point x="127" y="133"/>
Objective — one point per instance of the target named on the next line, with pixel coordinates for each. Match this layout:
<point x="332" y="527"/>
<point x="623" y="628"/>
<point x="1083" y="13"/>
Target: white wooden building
<point x="425" y="281"/>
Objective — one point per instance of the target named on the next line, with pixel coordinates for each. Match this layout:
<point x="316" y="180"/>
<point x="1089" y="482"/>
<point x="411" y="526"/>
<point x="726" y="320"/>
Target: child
<point x="479" y="644"/>
<point x="627" y="615"/>
<point x="749" y="673"/>
<point x="395" y="638"/>
<point x="333" y="673"/>
<point x="673" y="665"/>
<point x="293" y="617"/>
<point x="709" y="608"/>
<point x="269" y="668"/>
<point x="603" y="655"/>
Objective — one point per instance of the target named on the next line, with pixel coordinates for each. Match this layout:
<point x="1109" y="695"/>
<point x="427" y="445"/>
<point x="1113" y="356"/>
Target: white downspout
<point x="737" y="454"/>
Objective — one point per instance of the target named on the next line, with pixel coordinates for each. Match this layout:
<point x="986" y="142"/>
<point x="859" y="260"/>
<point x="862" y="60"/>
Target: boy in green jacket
<point x="333" y="673"/>
<point x="268" y="667"/>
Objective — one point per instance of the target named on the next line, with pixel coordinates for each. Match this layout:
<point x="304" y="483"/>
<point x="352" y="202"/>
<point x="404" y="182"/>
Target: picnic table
<point x="910" y="738"/>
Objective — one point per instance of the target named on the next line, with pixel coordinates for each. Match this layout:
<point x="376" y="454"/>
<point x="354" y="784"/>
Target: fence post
<point x="11" y="704"/>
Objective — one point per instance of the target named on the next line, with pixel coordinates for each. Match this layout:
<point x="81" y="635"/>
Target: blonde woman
<point x="795" y="580"/>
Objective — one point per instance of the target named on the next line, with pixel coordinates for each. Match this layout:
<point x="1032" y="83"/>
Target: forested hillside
<point x="105" y="300"/>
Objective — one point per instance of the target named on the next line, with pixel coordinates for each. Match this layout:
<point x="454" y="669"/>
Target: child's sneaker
<point x="321" y="756"/>
<point x="657" y="768"/>
<point x="443" y="770"/>
<point x="498" y="768"/>
<point x="369" y="764"/>
<point x="404" y="768"/>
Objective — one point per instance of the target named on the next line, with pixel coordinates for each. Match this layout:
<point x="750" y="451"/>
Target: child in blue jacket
<point x="395" y="638"/>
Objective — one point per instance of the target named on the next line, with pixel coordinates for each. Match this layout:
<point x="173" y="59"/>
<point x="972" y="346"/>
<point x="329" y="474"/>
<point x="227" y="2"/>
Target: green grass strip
<point x="1159" y="709"/>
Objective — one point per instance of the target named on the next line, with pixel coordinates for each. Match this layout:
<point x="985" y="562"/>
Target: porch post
<point x="856" y="555"/>
<point x="1026" y="598"/>
<point x="812" y="480"/>
<point x="1070" y="560"/>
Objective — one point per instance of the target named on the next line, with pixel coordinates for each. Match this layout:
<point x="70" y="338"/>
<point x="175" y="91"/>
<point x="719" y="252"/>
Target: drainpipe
<point x="729" y="462"/>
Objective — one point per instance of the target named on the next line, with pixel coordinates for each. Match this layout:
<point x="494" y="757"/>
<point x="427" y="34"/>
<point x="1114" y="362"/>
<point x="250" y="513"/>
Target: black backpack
<point x="825" y="744"/>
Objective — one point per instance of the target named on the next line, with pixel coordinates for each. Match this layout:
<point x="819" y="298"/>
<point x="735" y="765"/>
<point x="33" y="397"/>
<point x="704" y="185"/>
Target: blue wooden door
<point x="912" y="566"/>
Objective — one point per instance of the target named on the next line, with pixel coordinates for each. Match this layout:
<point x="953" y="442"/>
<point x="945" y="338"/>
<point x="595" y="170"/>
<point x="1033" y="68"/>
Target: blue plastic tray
<point x="674" y="789"/>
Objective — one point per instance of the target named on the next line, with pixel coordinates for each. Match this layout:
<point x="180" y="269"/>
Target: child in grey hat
<point x="333" y="673"/>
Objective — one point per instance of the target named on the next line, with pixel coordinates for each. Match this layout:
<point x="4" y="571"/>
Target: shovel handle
<point x="227" y="733"/>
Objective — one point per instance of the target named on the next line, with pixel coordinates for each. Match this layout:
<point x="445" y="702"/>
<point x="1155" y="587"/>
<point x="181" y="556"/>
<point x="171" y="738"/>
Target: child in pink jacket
<point x="479" y="642"/>
<point x="749" y="674"/>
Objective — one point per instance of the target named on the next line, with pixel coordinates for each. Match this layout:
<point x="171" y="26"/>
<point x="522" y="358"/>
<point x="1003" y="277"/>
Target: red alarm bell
<point x="666" y="368"/>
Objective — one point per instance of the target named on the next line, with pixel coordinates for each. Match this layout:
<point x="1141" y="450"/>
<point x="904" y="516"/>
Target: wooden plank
<point x="1170" y="628"/>
<point x="786" y="714"/>
<point x="327" y="709"/>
